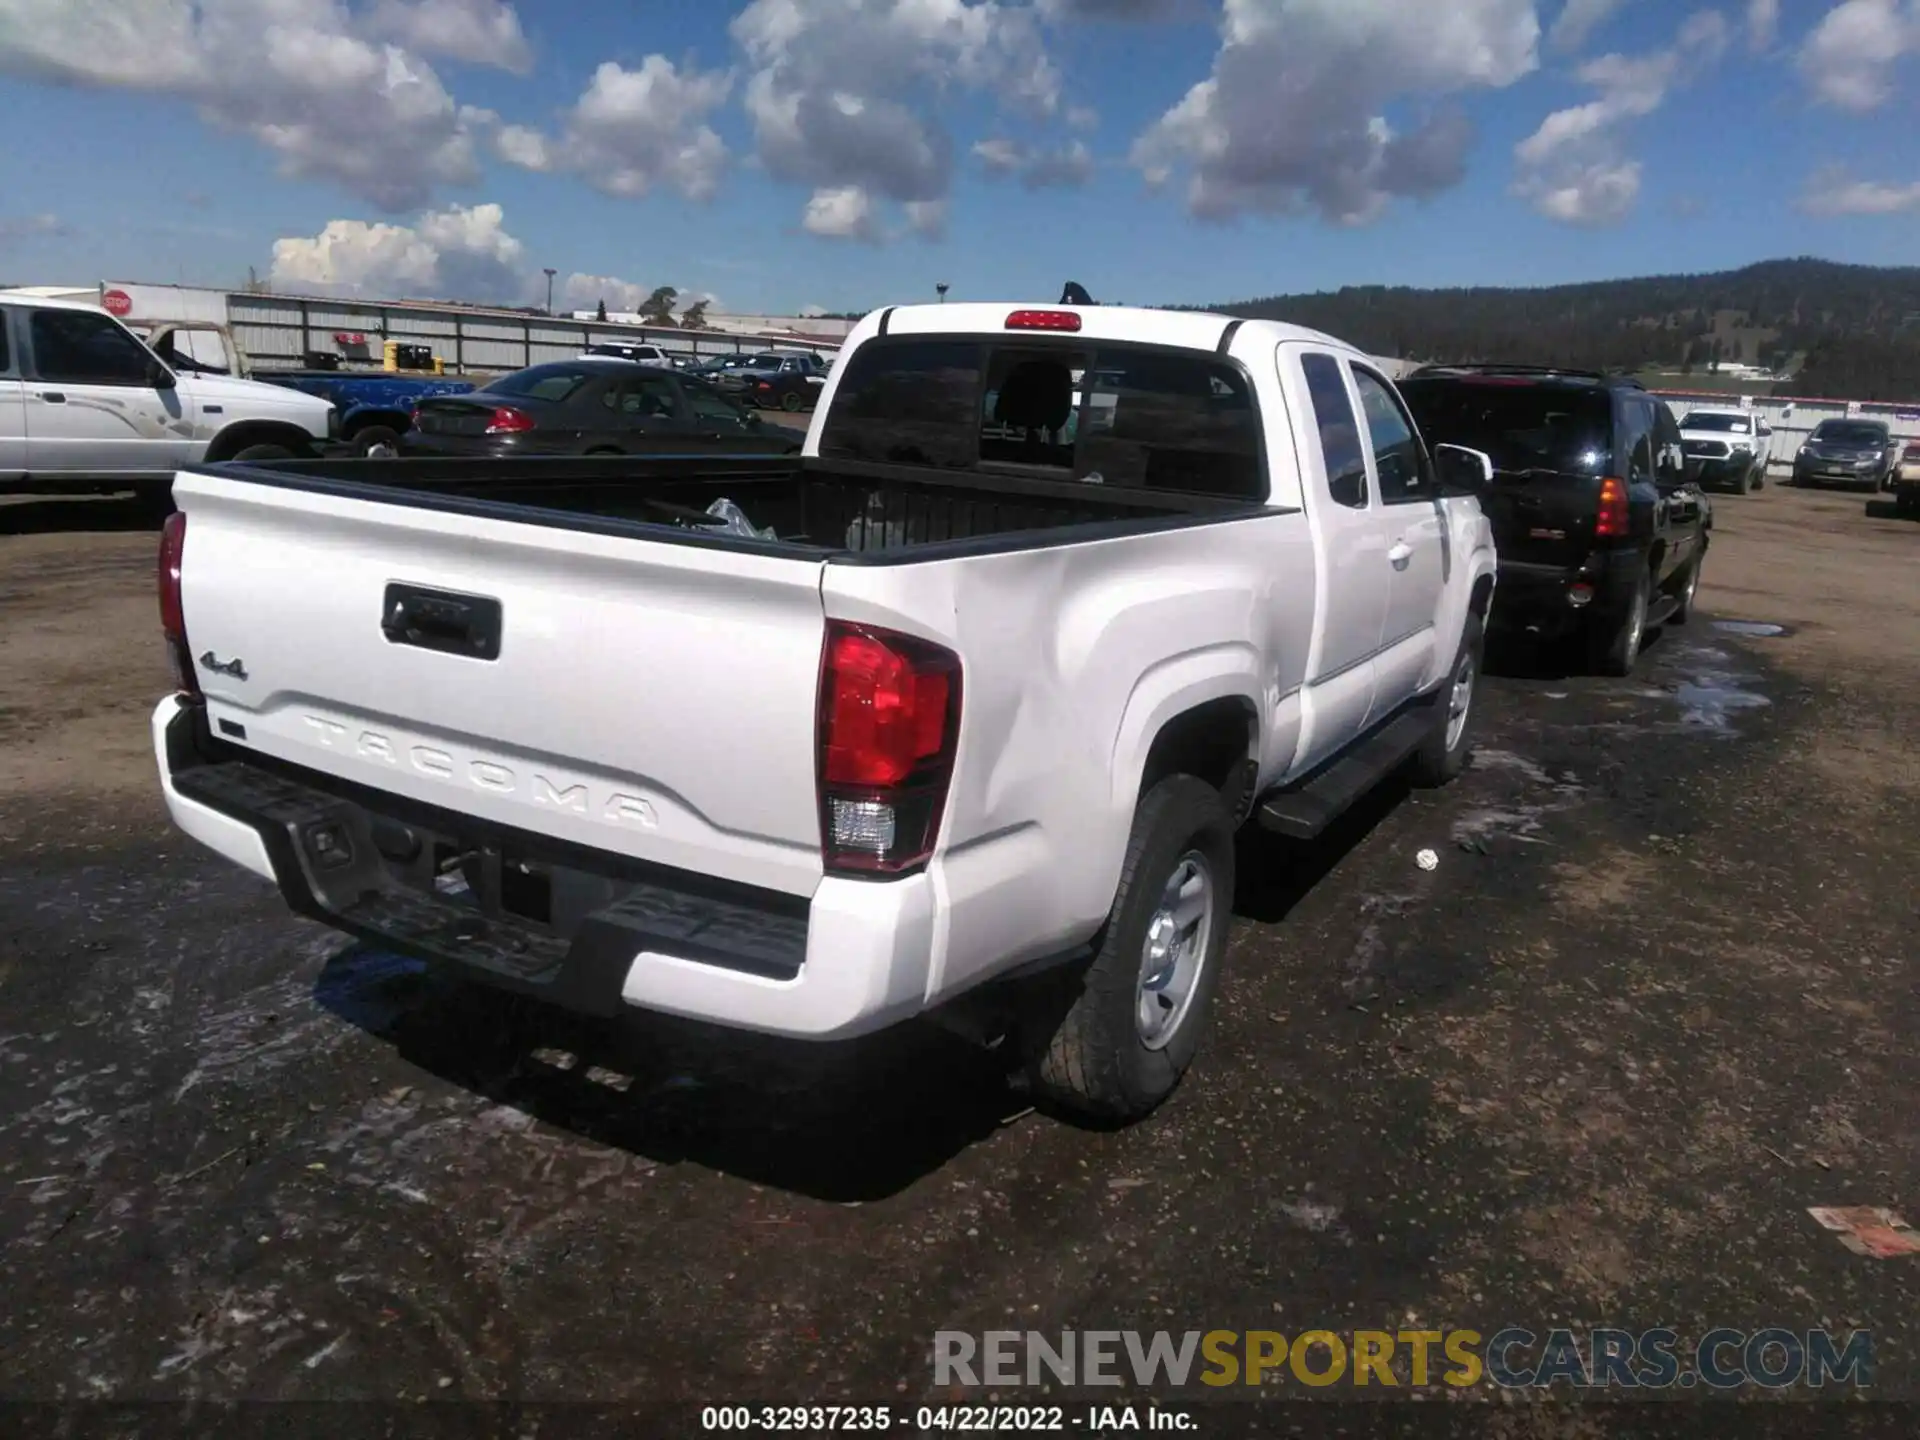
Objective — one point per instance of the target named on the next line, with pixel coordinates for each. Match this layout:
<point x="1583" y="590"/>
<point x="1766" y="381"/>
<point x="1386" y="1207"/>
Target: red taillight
<point x="1043" y="320"/>
<point x="763" y="385"/>
<point x="413" y="418"/>
<point x="173" y="615"/>
<point x="888" y="723"/>
<point x="1612" y="519"/>
<point x="508" y="421"/>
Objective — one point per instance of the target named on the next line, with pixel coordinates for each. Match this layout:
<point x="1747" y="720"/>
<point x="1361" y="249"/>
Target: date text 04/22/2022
<point x="943" y="1419"/>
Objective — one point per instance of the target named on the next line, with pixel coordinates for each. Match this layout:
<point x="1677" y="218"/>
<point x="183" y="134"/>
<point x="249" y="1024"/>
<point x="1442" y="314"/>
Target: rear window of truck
<point x="1109" y="415"/>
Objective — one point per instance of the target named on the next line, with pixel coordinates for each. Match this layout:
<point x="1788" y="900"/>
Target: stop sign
<point x="117" y="302"/>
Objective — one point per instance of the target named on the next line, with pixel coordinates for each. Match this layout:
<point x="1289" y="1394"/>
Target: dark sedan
<point x="590" y="407"/>
<point x="1847" y="452"/>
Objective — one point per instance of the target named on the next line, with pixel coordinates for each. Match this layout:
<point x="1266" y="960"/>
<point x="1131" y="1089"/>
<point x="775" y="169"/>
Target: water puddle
<point x="1712" y="694"/>
<point x="1754" y="629"/>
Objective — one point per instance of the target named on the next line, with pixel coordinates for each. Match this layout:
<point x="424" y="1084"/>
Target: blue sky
<point x="843" y="153"/>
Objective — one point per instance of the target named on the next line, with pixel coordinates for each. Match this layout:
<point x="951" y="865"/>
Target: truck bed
<point x="838" y="510"/>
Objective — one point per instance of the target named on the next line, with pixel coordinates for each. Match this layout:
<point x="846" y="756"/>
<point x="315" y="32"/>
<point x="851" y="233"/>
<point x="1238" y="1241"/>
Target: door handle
<point x="53" y="397"/>
<point x="1400" y="554"/>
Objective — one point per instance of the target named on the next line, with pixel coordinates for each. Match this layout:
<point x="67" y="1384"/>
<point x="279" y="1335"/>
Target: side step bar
<point x="1304" y="810"/>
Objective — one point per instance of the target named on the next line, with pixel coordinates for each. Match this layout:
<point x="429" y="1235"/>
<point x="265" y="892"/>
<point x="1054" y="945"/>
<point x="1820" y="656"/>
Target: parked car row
<point x="590" y="406"/>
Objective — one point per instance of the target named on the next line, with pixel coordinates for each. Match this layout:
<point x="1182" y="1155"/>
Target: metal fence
<point x="1793" y="419"/>
<point x="277" y="332"/>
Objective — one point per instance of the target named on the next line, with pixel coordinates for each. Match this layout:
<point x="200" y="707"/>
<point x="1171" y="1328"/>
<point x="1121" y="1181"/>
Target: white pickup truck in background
<point x="85" y="405"/>
<point x="1730" y="447"/>
<point x="956" y="716"/>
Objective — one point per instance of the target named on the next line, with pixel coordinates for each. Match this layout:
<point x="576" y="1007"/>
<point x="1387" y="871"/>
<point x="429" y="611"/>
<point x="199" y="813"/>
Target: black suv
<point x="1599" y="531"/>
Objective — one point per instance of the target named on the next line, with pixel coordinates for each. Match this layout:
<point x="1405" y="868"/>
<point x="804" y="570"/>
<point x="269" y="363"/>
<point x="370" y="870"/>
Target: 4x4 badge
<point x="235" y="667"/>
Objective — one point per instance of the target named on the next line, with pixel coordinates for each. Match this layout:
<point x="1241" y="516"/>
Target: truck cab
<point x="85" y="404"/>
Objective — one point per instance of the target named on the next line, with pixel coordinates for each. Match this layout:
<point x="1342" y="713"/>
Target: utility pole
<point x="940" y="288"/>
<point x="551" y="272"/>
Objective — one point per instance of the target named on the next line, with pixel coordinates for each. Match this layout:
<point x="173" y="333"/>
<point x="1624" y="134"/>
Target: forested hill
<point x="1850" y="330"/>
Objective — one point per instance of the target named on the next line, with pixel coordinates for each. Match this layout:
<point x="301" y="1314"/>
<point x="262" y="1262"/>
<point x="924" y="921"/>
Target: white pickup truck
<point x="1727" y="447"/>
<point x="85" y="405"/>
<point x="957" y="715"/>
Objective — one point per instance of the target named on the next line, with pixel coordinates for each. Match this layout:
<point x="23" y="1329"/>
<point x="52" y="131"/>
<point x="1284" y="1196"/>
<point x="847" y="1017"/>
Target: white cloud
<point x="1763" y="24"/>
<point x="1849" y="59"/>
<point x="15" y="228"/>
<point x="1291" y="116"/>
<point x="927" y="218"/>
<point x="842" y="94"/>
<point x="1574" y="168"/>
<point x="633" y="130"/>
<point x="1834" y="191"/>
<point x="1578" y="20"/>
<point x="296" y="75"/>
<point x="843" y="212"/>
<point x="479" y="32"/>
<point x="1068" y="166"/>
<point x="458" y="253"/>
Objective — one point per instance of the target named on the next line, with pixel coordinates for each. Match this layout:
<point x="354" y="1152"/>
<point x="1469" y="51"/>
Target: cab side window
<point x="76" y="348"/>
<point x="1398" y="458"/>
<point x="1339" y="431"/>
<point x="6" y="349"/>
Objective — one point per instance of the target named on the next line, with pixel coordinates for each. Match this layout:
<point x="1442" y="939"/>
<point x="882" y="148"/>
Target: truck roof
<point x="49" y="302"/>
<point x="1183" y="329"/>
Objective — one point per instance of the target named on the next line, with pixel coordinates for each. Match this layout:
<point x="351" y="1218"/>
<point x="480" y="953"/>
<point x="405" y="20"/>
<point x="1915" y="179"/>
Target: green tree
<point x="694" y="317"/>
<point x="601" y="312"/>
<point x="657" y="308"/>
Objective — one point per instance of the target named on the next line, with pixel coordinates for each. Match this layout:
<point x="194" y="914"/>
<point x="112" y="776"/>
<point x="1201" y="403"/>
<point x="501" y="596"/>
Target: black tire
<point x="253" y="454"/>
<point x="1906" y="502"/>
<point x="1445" y="754"/>
<point x="1616" y="640"/>
<point x="1087" y="1055"/>
<point x="792" y="403"/>
<point x="1688" y="589"/>
<point x="1760" y="477"/>
<point x="1750" y="481"/>
<point x="376" y="436"/>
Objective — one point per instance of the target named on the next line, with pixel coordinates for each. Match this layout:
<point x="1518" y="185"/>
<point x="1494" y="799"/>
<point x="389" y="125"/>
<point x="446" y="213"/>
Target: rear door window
<point x="908" y="402"/>
<point x="1523" y="425"/>
<point x="1339" y="429"/>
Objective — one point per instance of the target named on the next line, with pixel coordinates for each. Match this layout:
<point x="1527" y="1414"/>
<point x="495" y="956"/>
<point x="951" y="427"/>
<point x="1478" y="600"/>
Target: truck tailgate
<point x="640" y="696"/>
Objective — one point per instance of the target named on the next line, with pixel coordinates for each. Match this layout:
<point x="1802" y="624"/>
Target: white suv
<point x="84" y="404"/>
<point x="638" y="354"/>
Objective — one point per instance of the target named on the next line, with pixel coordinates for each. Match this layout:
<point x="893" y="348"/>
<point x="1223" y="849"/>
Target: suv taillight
<point x="509" y="421"/>
<point x="1612" y="520"/>
<point x="173" y="618"/>
<point x="888" y="722"/>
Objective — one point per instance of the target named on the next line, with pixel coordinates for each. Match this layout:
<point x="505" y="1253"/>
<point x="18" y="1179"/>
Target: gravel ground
<point x="1655" y="1001"/>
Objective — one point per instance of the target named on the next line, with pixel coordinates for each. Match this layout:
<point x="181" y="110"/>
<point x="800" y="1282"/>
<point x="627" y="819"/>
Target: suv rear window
<point x="1522" y="425"/>
<point x="1115" y="415"/>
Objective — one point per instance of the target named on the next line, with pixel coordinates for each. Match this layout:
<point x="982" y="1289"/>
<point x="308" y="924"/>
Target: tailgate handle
<point x="439" y="620"/>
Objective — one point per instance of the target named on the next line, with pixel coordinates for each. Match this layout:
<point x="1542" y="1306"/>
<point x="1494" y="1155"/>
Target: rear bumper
<point x="1543" y="597"/>
<point x="853" y="958"/>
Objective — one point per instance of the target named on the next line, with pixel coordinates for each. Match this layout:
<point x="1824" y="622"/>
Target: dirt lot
<point x="1656" y="1000"/>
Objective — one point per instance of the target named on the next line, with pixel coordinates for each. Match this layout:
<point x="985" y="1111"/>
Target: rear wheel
<point x="1616" y="643"/>
<point x="377" y="441"/>
<point x="1120" y="1045"/>
<point x="791" y="401"/>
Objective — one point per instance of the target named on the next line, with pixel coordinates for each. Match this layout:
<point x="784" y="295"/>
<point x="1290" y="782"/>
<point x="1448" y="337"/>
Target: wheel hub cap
<point x="1460" y="702"/>
<point x="1176" y="946"/>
